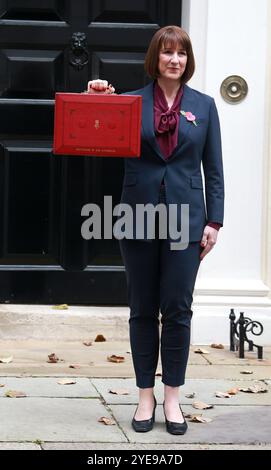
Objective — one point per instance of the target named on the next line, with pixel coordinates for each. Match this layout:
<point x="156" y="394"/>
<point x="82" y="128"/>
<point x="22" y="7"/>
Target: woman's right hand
<point x="100" y="87"/>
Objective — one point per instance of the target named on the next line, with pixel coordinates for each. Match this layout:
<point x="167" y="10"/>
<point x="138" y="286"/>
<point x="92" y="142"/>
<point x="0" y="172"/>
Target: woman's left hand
<point x="208" y="240"/>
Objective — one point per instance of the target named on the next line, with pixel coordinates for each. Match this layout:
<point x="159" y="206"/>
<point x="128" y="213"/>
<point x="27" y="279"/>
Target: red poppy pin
<point x="189" y="116"/>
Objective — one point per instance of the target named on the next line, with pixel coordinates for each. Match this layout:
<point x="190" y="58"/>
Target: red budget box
<point x="98" y="125"/>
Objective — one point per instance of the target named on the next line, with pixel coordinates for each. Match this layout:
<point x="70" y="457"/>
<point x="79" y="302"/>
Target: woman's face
<point x="172" y="62"/>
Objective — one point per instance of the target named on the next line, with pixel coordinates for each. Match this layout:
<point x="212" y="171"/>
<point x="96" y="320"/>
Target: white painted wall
<point x="231" y="38"/>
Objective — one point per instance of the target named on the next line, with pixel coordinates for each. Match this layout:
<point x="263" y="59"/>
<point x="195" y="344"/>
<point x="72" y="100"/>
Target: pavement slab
<point x="56" y="419"/>
<point x="141" y="446"/>
<point x="224" y="356"/>
<point x="230" y="425"/>
<point x="49" y="387"/>
<point x="19" y="446"/>
<point x="204" y="389"/>
<point x="226" y="371"/>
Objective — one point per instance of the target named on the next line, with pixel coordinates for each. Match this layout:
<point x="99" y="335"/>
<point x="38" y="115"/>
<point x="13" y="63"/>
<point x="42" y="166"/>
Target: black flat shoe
<point x="175" y="428"/>
<point x="144" y="425"/>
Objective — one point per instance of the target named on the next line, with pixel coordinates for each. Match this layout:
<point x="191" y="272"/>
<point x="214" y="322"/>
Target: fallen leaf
<point x="256" y="388"/>
<point x="191" y="395"/>
<point x="201" y="351"/>
<point x="217" y="346"/>
<point x="15" y="394"/>
<point x="246" y="372"/>
<point x="87" y="343"/>
<point x="200" y="419"/>
<point x="200" y="405"/>
<point x="74" y="366"/>
<point x="6" y="360"/>
<point x="66" y="382"/>
<point x="61" y="307"/>
<point x="2" y="385"/>
<point x="99" y="338"/>
<point x="120" y="391"/>
<point x="190" y="415"/>
<point x="107" y="421"/>
<point x="233" y="391"/>
<point x="53" y="358"/>
<point x="222" y="395"/>
<point x="115" y="358"/>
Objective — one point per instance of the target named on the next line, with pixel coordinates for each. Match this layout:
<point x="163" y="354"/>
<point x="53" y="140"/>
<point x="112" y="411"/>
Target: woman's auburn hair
<point x="169" y="36"/>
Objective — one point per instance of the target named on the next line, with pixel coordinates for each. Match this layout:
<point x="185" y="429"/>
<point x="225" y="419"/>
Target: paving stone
<point x="225" y="371"/>
<point x="32" y="359"/>
<point x="48" y="387"/>
<point x="231" y="425"/>
<point x="56" y="419"/>
<point x="140" y="446"/>
<point x="19" y="446"/>
<point x="224" y="356"/>
<point x="204" y="388"/>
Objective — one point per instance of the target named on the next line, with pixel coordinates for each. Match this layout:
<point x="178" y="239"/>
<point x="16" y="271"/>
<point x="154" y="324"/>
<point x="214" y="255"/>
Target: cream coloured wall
<point x="233" y="38"/>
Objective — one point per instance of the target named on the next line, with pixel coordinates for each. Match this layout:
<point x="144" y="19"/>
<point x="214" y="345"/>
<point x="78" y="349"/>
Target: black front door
<point x="48" y="46"/>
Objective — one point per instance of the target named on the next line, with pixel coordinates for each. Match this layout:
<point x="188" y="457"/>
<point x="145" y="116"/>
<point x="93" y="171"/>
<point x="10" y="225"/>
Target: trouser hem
<point x="145" y="384"/>
<point x="170" y="383"/>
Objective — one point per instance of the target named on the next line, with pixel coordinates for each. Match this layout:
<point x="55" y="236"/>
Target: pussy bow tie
<point x="167" y="122"/>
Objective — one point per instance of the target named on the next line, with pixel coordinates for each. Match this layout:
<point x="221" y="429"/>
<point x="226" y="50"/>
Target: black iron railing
<point x="238" y="334"/>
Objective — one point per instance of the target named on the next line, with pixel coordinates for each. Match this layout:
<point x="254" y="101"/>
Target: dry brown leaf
<point x="6" y="360"/>
<point x="115" y="358"/>
<point x="200" y="419"/>
<point x="200" y="405"/>
<point x="191" y="395"/>
<point x="107" y="421"/>
<point x="61" y="307"/>
<point x="191" y="415"/>
<point x="217" y="346"/>
<point x="255" y="388"/>
<point x="120" y="391"/>
<point x="53" y="358"/>
<point x="66" y="382"/>
<point x="74" y="366"/>
<point x="99" y="338"/>
<point x="222" y="395"/>
<point x="201" y="351"/>
<point x="15" y="394"/>
<point x="87" y="343"/>
<point x="246" y="372"/>
<point x="233" y="391"/>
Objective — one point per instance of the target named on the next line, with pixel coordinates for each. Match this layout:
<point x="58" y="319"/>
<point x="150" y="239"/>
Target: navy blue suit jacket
<point x="197" y="145"/>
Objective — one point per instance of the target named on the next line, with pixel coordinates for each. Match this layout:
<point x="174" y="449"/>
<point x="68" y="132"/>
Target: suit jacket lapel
<point x="188" y="103"/>
<point x="148" y="118"/>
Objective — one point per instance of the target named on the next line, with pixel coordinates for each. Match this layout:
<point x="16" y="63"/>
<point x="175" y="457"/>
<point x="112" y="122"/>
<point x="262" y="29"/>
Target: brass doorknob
<point x="234" y="89"/>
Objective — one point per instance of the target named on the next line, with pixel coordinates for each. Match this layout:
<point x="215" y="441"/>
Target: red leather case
<point x="98" y="125"/>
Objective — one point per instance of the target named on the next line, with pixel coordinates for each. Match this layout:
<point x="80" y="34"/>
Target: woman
<point x="180" y="131"/>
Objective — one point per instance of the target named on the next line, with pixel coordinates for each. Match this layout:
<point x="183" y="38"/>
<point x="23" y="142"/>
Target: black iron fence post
<point x="238" y="334"/>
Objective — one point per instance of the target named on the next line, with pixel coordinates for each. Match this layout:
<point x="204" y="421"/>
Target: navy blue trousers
<point x="160" y="280"/>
